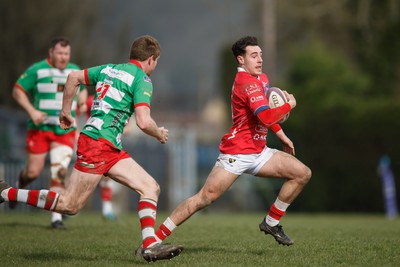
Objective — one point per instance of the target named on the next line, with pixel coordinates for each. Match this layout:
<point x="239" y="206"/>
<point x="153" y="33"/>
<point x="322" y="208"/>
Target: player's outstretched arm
<point x="146" y="123"/>
<point x="288" y="146"/>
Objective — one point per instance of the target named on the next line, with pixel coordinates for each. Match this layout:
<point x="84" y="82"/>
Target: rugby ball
<point x="277" y="98"/>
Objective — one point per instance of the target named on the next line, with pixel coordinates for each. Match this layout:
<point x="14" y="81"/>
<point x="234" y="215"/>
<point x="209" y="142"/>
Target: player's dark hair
<point x="144" y="47"/>
<point x="239" y="48"/>
<point x="59" y="40"/>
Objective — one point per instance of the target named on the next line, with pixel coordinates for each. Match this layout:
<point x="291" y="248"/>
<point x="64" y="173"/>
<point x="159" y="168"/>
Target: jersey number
<point x="102" y="90"/>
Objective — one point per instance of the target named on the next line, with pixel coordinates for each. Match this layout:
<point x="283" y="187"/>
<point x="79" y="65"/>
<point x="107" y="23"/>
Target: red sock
<point x="163" y="232"/>
<point x="44" y="199"/>
<point x="275" y="213"/>
<point x="105" y="193"/>
<point x="147" y="214"/>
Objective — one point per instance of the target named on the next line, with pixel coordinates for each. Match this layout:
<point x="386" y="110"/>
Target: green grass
<point x="210" y="239"/>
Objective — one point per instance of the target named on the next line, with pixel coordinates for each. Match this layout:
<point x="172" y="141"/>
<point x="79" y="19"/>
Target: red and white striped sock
<point x="276" y="212"/>
<point x="43" y="199"/>
<point x="165" y="229"/>
<point x="147" y="211"/>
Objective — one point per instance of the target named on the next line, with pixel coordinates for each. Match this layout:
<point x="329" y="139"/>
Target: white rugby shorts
<point x="245" y="163"/>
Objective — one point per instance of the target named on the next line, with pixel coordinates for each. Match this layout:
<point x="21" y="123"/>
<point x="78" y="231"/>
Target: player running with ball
<point x="244" y="150"/>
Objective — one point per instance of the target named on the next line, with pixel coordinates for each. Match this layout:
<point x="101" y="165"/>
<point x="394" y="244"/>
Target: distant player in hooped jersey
<point x="121" y="90"/>
<point x="39" y="92"/>
<point x="244" y="148"/>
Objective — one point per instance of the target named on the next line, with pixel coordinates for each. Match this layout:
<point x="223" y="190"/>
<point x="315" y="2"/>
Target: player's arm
<point x="82" y="98"/>
<point x="288" y="146"/>
<point x="74" y="80"/>
<point x="146" y="123"/>
<point x="22" y="99"/>
<point x="271" y="116"/>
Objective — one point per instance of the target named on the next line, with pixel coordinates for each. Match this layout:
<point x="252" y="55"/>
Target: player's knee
<point x="306" y="175"/>
<point x="32" y="173"/>
<point x="155" y="188"/>
<point x="60" y="158"/>
<point x="207" y="198"/>
<point x="62" y="173"/>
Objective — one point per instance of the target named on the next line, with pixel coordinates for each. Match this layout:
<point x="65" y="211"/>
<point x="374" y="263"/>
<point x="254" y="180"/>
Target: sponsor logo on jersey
<point x="87" y="165"/>
<point x="260" y="137"/>
<point x="118" y="138"/>
<point x="121" y="75"/>
<point x="265" y="86"/>
<point x="60" y="88"/>
<point x="252" y="88"/>
<point x="147" y="79"/>
<point x="256" y="98"/>
<point x="260" y="128"/>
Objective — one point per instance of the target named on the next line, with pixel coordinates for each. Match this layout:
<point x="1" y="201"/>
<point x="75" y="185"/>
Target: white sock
<point x="169" y="224"/>
<point x="107" y="207"/>
<point x="55" y="216"/>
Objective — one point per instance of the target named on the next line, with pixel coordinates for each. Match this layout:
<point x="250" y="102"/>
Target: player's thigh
<point x="218" y="182"/>
<point x="35" y="163"/>
<point x="282" y="165"/>
<point x="129" y="173"/>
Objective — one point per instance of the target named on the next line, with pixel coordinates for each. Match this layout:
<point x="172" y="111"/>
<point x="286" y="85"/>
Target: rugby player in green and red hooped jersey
<point x="44" y="82"/>
<point x="121" y="90"/>
<point x="244" y="149"/>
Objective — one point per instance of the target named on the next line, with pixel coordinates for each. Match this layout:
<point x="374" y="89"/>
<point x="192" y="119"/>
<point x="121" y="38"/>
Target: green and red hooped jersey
<point x="119" y="89"/>
<point x="44" y="84"/>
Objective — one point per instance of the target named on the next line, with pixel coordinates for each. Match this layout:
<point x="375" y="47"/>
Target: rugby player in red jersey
<point x="244" y="148"/>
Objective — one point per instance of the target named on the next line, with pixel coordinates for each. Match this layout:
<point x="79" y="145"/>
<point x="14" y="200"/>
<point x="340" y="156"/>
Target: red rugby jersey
<point x="247" y="134"/>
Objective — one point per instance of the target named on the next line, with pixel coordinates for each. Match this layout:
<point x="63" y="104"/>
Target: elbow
<point x="142" y="124"/>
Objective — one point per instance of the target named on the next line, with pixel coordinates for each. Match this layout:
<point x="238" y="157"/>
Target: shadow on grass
<point x="235" y="251"/>
<point x="24" y="224"/>
<point x="54" y="257"/>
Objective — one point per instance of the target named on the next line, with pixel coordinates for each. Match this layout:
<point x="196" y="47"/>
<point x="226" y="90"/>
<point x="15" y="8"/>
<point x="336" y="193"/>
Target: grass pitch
<point x="210" y="239"/>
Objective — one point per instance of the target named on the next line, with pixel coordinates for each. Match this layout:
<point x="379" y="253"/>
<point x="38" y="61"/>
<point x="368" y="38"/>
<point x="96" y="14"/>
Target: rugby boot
<point x="159" y="252"/>
<point x="3" y="186"/>
<point x="277" y="232"/>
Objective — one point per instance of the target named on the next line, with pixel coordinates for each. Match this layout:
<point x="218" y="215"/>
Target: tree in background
<point x="27" y="28"/>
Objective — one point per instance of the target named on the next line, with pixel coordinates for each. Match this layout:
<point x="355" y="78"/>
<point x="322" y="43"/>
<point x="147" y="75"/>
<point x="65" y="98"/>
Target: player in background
<point x="121" y="90"/>
<point x="244" y="148"/>
<point x="39" y="92"/>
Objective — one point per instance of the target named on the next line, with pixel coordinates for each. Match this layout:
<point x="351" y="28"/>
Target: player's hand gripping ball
<point x="276" y="98"/>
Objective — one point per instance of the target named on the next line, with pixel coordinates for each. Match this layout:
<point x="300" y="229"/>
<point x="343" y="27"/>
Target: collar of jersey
<point x="136" y="63"/>
<point x="50" y="63"/>
<point x="243" y="70"/>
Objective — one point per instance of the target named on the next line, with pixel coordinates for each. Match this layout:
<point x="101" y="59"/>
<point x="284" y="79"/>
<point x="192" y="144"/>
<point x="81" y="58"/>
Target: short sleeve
<point x="27" y="80"/>
<point x="143" y="91"/>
